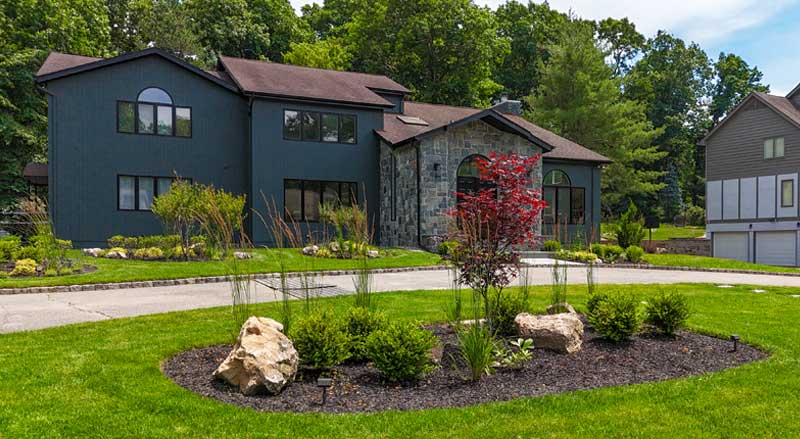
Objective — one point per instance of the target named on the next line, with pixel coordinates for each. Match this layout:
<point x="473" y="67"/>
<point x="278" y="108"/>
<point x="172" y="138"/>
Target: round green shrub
<point x="598" y="249"/>
<point x="401" y="351"/>
<point x="612" y="253"/>
<point x="148" y="253"/>
<point x="29" y="252"/>
<point x="24" y="267"/>
<point x="695" y="216"/>
<point x="360" y="323"/>
<point x="448" y="249"/>
<point x="320" y="340"/>
<point x="616" y="316"/>
<point x="551" y="246"/>
<point x="634" y="254"/>
<point x="667" y="311"/>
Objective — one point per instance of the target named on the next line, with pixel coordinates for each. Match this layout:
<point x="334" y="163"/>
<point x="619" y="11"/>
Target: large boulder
<point x="262" y="360"/>
<point x="559" y="332"/>
<point x="93" y="252"/>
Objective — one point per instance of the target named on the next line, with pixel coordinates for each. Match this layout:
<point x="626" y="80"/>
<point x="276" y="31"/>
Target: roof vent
<point x="412" y="120"/>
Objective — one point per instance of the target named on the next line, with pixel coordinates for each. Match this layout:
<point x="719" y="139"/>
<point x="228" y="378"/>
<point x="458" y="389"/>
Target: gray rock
<point x="117" y="255"/>
<point x="559" y="332"/>
<point x="93" y="252"/>
<point x="310" y="250"/>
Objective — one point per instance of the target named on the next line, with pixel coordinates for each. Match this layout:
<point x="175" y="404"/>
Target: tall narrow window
<point x="183" y="122"/>
<point x="347" y="131"/>
<point x="310" y="126"/>
<point x="291" y="125"/>
<point x="126" y="117"/>
<point x="787" y="193"/>
<point x="293" y="199"/>
<point x="330" y="193"/>
<point x="164" y="120"/>
<point x="330" y="127"/>
<point x="146" y="122"/>
<point x="311" y="200"/>
<point x="146" y="191"/>
<point x="577" y="205"/>
<point x="126" y="199"/>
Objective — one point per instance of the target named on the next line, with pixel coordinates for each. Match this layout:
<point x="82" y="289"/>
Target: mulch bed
<point x="359" y="388"/>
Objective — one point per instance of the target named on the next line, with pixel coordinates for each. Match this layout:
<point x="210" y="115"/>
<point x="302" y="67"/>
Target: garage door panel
<point x="776" y="248"/>
<point x="730" y="245"/>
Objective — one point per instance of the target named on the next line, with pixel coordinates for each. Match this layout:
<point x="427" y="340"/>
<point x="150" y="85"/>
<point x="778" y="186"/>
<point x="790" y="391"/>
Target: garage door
<point x="731" y="245"/>
<point x="776" y="248"/>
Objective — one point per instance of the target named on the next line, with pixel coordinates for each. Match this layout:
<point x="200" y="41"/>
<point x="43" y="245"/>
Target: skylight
<point x="412" y="120"/>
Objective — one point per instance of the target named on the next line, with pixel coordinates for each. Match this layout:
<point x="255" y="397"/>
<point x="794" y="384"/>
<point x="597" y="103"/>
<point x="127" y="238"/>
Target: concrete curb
<point x="699" y="269"/>
<point x="196" y="280"/>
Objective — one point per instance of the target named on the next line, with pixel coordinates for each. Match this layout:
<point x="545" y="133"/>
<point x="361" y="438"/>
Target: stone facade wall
<point x="440" y="157"/>
<point x="682" y="246"/>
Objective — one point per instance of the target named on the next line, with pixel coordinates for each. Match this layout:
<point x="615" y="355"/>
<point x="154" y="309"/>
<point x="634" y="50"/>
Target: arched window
<point x="154" y="112"/>
<point x="565" y="204"/>
<point x="468" y="176"/>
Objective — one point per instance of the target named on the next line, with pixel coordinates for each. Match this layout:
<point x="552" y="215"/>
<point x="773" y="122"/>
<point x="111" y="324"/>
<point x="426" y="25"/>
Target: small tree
<point x="221" y="216"/>
<point x="489" y="224"/>
<point x="630" y="227"/>
<point x="176" y="210"/>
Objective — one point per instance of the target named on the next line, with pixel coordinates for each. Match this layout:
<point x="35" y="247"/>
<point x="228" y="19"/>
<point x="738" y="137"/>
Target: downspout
<point x="419" y="196"/>
<point x="250" y="164"/>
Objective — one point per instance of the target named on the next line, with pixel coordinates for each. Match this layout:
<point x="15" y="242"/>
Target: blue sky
<point x="764" y="32"/>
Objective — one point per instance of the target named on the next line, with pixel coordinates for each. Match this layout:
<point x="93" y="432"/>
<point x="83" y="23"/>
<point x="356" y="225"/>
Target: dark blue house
<point x="121" y="129"/>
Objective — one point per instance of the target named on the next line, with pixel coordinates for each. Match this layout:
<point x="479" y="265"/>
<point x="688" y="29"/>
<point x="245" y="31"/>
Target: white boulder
<point x="559" y="332"/>
<point x="93" y="252"/>
<point x="310" y="250"/>
<point x="116" y="254"/>
<point x="242" y="255"/>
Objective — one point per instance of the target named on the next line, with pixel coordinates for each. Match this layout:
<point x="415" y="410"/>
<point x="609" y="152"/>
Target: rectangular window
<point x="563" y="205"/>
<point x="126" y="187"/>
<point x="126" y="117"/>
<point x="773" y="148"/>
<point x="577" y="207"/>
<point x="311" y="199"/>
<point x="164" y="184"/>
<point x="349" y="193"/>
<point x="347" y="131"/>
<point x="293" y="199"/>
<point x="787" y="193"/>
<point x="779" y="147"/>
<point x="146" y="192"/>
<point x="330" y="193"/>
<point x="549" y="212"/>
<point x="183" y="121"/>
<point x="311" y="126"/>
<point x="330" y="127"/>
<point x="146" y="119"/>
<point x="291" y="125"/>
<point x="302" y="198"/>
<point x="164" y="120"/>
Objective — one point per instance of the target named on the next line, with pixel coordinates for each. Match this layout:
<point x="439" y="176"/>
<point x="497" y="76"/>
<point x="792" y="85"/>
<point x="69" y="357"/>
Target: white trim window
<point x="773" y="148"/>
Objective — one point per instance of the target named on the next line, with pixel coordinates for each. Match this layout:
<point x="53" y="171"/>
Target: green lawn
<point x="665" y="231"/>
<point x="103" y="380"/>
<point x="707" y="262"/>
<point x="264" y="261"/>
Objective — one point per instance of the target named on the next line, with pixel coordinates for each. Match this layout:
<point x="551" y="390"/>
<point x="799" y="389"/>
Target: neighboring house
<point x="121" y="129"/>
<point x="752" y="164"/>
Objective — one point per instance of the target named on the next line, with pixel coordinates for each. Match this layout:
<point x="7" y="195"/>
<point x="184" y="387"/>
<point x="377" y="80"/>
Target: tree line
<point x="643" y="101"/>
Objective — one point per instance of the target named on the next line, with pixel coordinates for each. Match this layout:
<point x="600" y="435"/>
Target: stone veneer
<point x="439" y="158"/>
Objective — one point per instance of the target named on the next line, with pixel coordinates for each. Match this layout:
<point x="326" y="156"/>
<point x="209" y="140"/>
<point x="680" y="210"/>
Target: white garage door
<point x="776" y="248"/>
<point x="731" y="245"/>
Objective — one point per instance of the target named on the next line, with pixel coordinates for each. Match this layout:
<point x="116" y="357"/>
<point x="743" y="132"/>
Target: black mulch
<point x="359" y="388"/>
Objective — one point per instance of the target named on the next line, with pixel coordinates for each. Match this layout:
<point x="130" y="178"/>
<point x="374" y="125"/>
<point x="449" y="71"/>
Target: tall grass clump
<point x="558" y="287"/>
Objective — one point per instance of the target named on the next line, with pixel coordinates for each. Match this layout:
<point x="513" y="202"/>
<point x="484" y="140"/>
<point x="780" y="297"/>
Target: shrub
<point x="401" y="351"/>
<point x="24" y="267"/>
<point x="9" y="246"/>
<point x="551" y="246"/>
<point x="29" y="252"/>
<point x="4" y="274"/>
<point x="359" y="324"/>
<point x="630" y="228"/>
<point x="320" y="340"/>
<point x="667" y="311"/>
<point x="505" y="308"/>
<point x="177" y="210"/>
<point x="695" y="216"/>
<point x="634" y="254"/>
<point x="477" y="350"/>
<point x="448" y="249"/>
<point x="594" y="300"/>
<point x="116" y="241"/>
<point x="598" y="249"/>
<point x="149" y="253"/>
<point x="612" y="253"/>
<point x="616" y="316"/>
<point x="115" y="249"/>
<point x="178" y="252"/>
<point x="579" y="256"/>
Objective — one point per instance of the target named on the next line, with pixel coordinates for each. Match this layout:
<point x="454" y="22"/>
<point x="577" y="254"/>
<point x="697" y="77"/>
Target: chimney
<point x="506" y="105"/>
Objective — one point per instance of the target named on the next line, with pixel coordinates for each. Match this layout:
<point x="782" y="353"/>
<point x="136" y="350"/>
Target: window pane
<point x="310" y="126"/>
<point x="163" y="186"/>
<point x="145" y="193"/>
<point x="768" y="148"/>
<point x="292" y="199"/>
<point x="125" y="117"/>
<point x="155" y="95"/>
<point x="183" y="122"/>
<point x="563" y="205"/>
<point x="330" y="128"/>
<point x="311" y="194"/>
<point x="349" y="193"/>
<point x="577" y="208"/>
<point x="146" y="124"/>
<point x="126" y="188"/>
<point x="787" y="193"/>
<point x="164" y="120"/>
<point x="549" y="211"/>
<point x="779" y="147"/>
<point x="347" y="132"/>
<point x="330" y="193"/>
<point x="291" y="125"/>
<point x="556" y="178"/>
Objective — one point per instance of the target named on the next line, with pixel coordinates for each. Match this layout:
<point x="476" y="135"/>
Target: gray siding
<point x="585" y="175"/>
<point x="736" y="150"/>
<point x="86" y="153"/>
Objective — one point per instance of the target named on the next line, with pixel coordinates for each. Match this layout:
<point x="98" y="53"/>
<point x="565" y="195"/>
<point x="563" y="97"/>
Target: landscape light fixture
<point x="735" y="338"/>
<point x="324" y="383"/>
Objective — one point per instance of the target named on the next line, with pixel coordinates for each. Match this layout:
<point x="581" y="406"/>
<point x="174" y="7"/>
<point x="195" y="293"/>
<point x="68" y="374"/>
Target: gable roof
<point x="60" y="65"/>
<point x="441" y="117"/>
<point x="283" y="80"/>
<point x="778" y="104"/>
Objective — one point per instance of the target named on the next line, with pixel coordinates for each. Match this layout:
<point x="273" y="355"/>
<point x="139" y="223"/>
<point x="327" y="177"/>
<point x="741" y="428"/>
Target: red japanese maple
<point x="492" y="223"/>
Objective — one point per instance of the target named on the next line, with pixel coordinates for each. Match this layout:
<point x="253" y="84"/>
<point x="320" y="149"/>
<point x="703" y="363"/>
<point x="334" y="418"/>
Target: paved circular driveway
<point x="35" y="311"/>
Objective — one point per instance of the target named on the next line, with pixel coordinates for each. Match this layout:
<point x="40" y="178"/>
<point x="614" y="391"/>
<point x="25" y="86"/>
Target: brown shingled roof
<point x="283" y="80"/>
<point x="395" y="131"/>
<point x="57" y="61"/>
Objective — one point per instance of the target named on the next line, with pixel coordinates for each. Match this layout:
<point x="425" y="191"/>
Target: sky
<point x="763" y="32"/>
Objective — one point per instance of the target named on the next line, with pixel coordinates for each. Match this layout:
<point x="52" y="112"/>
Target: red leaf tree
<point x="491" y="224"/>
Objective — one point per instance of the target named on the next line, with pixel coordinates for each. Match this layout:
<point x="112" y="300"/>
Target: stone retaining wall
<point x="682" y="246"/>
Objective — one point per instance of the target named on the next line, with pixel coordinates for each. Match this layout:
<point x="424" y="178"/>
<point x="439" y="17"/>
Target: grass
<point x="667" y="231"/>
<point x="708" y="262"/>
<point x="264" y="261"/>
<point x="103" y="380"/>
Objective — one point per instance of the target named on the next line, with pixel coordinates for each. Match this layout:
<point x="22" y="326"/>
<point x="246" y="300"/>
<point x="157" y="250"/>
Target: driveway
<point x="35" y="311"/>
